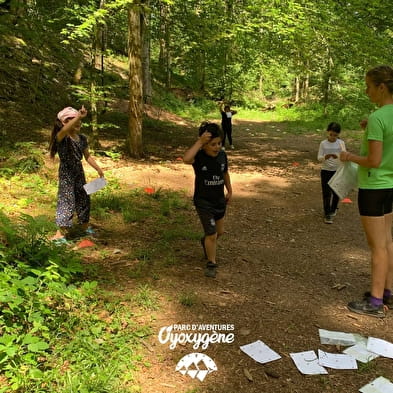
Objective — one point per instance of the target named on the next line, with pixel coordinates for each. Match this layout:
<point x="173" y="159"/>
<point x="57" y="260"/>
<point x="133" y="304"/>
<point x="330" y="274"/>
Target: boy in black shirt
<point x="211" y="176"/>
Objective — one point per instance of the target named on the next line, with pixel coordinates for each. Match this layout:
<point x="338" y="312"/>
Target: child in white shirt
<point x="328" y="154"/>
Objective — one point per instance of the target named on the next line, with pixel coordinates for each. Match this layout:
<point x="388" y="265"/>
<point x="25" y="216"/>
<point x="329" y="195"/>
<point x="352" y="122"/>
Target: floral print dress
<point x="72" y="197"/>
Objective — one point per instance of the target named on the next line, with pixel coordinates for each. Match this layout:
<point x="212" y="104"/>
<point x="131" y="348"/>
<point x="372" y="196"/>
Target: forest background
<point x="307" y="56"/>
<point x="298" y="62"/>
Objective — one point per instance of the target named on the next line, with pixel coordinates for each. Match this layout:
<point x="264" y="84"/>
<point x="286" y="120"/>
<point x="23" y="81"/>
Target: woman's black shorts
<point x="375" y="203"/>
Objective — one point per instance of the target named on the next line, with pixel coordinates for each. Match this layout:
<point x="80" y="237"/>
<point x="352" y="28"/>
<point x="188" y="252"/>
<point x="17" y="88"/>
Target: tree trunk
<point x="297" y="89"/>
<point x="145" y="31"/>
<point x="164" y="56"/>
<point x="202" y="72"/>
<point x="102" y="30"/>
<point x="135" y="81"/>
<point x="306" y="84"/>
<point x="97" y="61"/>
<point x="327" y="81"/>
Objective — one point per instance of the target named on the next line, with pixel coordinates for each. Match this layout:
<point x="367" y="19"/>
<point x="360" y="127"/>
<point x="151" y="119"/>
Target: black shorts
<point x="208" y="219"/>
<point x="375" y="203"/>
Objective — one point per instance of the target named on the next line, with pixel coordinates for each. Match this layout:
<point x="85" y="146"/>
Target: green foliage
<point x="195" y="108"/>
<point x="20" y="158"/>
<point x="34" y="281"/>
<point x="146" y="298"/>
<point x="139" y="205"/>
<point x="188" y="299"/>
<point x="57" y="335"/>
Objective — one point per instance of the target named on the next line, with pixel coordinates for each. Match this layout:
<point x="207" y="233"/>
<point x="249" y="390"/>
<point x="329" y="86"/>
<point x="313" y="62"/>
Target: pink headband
<point x="67" y="113"/>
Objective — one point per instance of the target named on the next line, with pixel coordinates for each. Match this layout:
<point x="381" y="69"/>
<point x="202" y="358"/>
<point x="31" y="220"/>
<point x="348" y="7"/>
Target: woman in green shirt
<point x="375" y="198"/>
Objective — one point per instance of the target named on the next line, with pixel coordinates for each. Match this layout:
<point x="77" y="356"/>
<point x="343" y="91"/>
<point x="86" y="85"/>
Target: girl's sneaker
<point x="90" y="231"/>
<point x="59" y="241"/>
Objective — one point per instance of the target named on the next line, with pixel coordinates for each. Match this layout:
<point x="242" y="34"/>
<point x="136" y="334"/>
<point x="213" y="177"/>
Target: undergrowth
<point x="57" y="333"/>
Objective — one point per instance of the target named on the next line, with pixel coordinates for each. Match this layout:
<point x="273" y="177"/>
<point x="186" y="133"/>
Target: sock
<point x="387" y="293"/>
<point x="374" y="301"/>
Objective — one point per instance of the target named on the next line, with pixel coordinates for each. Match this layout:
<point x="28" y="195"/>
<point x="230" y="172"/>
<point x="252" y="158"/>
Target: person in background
<point x="375" y="196"/>
<point x="226" y="123"/>
<point x="71" y="146"/>
<point x="328" y="154"/>
<point x="210" y="165"/>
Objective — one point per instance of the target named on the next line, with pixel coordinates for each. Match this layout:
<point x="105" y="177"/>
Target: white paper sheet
<point x="338" y="361"/>
<point x="379" y="385"/>
<point x="307" y="363"/>
<point x="360" y="352"/>
<point x="336" y="338"/>
<point x="260" y="352"/>
<point x="95" y="185"/>
<point x="381" y="347"/>
<point x="345" y="179"/>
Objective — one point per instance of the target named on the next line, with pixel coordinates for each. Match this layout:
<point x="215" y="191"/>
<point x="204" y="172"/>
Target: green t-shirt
<point x="379" y="128"/>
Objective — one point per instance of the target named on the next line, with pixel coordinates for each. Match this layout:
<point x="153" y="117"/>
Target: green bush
<point x="58" y="334"/>
<point x="35" y="278"/>
<point x="25" y="158"/>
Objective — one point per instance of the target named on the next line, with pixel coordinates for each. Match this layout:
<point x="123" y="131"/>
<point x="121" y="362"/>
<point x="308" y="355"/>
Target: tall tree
<point x="145" y="32"/>
<point x="135" y="81"/>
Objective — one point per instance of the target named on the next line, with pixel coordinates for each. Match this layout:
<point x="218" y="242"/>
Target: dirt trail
<point x="283" y="272"/>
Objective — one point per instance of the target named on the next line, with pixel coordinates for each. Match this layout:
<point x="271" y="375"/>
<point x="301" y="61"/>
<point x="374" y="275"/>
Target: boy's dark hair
<point x="334" y="127"/>
<point x="213" y="128"/>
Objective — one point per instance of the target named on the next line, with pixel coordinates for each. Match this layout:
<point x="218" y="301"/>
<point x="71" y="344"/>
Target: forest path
<point x="283" y="272"/>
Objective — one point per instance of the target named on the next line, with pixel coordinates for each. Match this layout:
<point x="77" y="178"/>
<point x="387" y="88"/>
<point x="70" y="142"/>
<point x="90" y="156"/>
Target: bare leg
<point x="389" y="246"/>
<point x="61" y="232"/>
<point x="211" y="246"/>
<point x="375" y="229"/>
<point x="211" y="241"/>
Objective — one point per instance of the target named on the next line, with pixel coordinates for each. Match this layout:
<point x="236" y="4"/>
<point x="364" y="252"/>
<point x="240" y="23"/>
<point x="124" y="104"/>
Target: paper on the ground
<point x="338" y="361"/>
<point x="307" y="363"/>
<point x="380" y="347"/>
<point x="260" y="352"/>
<point x="360" y="352"/>
<point x="95" y="185"/>
<point x="336" y="338"/>
<point x="379" y="385"/>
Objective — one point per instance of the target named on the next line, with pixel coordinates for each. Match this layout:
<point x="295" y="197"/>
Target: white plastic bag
<point x="345" y="179"/>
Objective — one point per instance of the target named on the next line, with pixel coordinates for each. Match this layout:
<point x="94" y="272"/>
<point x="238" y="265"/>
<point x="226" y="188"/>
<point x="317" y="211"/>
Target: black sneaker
<point x="366" y="308"/>
<point x="211" y="269"/>
<point x="203" y="246"/>
<point x="387" y="301"/>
